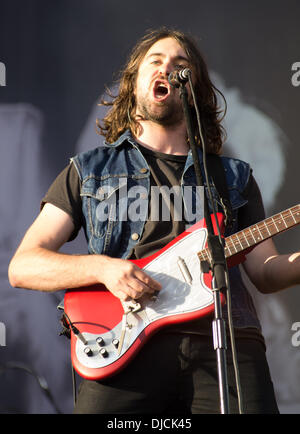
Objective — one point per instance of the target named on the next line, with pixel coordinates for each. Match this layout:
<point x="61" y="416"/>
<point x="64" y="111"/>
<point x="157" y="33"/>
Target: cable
<point x="74" y="384"/>
<point x="41" y="380"/>
<point x="77" y="333"/>
<point x="229" y="311"/>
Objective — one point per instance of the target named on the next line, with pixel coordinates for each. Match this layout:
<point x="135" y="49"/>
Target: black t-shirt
<point x="165" y="170"/>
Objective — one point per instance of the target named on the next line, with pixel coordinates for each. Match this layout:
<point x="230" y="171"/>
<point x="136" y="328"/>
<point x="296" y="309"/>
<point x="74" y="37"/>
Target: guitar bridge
<point x="131" y="306"/>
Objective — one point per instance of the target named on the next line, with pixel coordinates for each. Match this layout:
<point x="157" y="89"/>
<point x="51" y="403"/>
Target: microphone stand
<point x="217" y="265"/>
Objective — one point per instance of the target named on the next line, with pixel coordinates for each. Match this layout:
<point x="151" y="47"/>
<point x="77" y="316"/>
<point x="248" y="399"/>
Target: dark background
<point x="59" y="55"/>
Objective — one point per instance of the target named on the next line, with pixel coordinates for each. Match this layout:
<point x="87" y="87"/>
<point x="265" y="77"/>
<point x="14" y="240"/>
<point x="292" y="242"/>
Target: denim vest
<point x="119" y="167"/>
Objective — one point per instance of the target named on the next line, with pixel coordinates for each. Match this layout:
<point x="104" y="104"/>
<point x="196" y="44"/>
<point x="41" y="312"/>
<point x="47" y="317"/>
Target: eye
<point x="179" y="66"/>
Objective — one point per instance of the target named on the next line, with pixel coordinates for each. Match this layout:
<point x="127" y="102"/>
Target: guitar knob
<point x="103" y="352"/>
<point x="88" y="351"/>
<point x="100" y="341"/>
<point x="115" y="343"/>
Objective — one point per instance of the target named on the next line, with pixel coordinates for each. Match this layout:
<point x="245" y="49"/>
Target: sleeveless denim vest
<point x="118" y="170"/>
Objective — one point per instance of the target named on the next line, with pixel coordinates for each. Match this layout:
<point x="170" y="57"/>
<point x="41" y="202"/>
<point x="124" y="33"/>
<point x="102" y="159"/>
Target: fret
<point x="243" y="232"/>
<point x="227" y="252"/>
<point x="247" y="238"/>
<point x="295" y="221"/>
<point x="298" y="212"/>
<point x="260" y="234"/>
<point x="283" y="220"/>
<point x="230" y="252"/>
<point x="270" y="225"/>
<point x="278" y="230"/>
<point x="236" y="250"/>
<point x="267" y="228"/>
<point x="251" y="232"/>
<point x="238" y="238"/>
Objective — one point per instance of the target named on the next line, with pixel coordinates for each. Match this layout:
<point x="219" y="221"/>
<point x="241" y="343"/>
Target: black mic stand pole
<point x="217" y="266"/>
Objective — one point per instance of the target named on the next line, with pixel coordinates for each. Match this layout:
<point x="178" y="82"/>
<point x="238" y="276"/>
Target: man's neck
<point x="169" y="140"/>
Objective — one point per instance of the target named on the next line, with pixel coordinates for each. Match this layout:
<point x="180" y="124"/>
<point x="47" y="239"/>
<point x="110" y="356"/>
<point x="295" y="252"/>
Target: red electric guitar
<point x="107" y="333"/>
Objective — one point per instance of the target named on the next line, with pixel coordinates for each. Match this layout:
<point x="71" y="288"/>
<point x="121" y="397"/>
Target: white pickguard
<point x="176" y="297"/>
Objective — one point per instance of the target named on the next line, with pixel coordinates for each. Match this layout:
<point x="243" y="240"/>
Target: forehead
<point x="167" y="47"/>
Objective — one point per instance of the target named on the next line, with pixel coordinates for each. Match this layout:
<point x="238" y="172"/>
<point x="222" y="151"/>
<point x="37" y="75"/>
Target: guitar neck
<point x="255" y="234"/>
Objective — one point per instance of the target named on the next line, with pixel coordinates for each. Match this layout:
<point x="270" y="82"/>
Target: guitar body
<point x="185" y="295"/>
<point x="111" y="332"/>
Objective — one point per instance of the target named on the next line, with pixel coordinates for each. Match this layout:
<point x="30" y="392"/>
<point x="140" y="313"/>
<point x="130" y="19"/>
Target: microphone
<point x="176" y="78"/>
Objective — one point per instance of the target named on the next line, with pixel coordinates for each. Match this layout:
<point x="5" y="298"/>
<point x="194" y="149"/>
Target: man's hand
<point x="125" y="280"/>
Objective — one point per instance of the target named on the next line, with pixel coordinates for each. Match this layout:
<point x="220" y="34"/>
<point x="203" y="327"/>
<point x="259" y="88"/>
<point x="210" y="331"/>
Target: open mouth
<point x="161" y="90"/>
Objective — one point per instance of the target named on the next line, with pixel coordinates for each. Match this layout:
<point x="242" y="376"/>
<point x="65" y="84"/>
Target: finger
<point x="124" y="294"/>
<point x="136" y="288"/>
<point x="150" y="284"/>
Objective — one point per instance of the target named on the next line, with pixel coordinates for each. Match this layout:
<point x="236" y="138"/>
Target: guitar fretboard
<point x="257" y="233"/>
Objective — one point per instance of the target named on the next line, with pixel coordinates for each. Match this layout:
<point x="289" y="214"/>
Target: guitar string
<point x="268" y="223"/>
<point x="265" y="225"/>
<point x="288" y="216"/>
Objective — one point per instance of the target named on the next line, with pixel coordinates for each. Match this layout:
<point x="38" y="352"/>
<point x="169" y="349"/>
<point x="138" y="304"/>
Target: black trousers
<point x="177" y="374"/>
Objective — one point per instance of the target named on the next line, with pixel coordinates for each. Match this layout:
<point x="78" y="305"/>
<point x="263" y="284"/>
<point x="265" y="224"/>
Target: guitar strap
<point x="217" y="173"/>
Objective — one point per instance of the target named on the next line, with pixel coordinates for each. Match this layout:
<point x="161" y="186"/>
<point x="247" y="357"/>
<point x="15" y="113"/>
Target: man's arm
<point x="271" y="272"/>
<point x="38" y="265"/>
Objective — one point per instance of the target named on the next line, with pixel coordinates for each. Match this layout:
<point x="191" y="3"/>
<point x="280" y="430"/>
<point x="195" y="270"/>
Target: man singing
<point x="146" y="145"/>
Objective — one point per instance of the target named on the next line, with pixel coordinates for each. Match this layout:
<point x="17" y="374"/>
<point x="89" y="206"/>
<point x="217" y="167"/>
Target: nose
<point x="165" y="68"/>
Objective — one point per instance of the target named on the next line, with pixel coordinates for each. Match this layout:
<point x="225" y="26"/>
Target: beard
<point x="164" y="113"/>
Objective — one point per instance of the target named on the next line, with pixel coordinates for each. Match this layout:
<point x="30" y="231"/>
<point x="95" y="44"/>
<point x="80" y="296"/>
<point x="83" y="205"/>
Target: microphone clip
<point x="179" y="77"/>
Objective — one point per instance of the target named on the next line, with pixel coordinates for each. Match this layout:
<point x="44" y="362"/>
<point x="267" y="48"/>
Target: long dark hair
<point x="121" y="115"/>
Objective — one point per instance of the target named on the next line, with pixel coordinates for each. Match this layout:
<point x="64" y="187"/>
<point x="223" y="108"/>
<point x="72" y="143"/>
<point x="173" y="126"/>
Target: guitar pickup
<point x="184" y="270"/>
